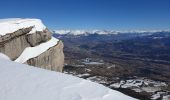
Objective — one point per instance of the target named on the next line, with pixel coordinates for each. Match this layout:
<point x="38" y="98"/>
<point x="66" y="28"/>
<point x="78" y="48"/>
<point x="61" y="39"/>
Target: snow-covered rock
<point x="23" y="82"/>
<point x="16" y="34"/>
<point x="29" y="41"/>
<point x="13" y="24"/>
<point x="31" y="52"/>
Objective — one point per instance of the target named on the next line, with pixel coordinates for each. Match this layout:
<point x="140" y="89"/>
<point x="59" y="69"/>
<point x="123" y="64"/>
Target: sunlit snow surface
<point x="3" y="56"/>
<point x="31" y="52"/>
<point x="23" y="82"/>
<point x="13" y="24"/>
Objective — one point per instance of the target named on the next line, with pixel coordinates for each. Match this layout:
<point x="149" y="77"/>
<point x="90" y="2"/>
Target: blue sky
<point x="92" y="14"/>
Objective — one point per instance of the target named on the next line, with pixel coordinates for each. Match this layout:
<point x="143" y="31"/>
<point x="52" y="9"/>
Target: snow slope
<point x="23" y="82"/>
<point x="3" y="56"/>
<point x="13" y="24"/>
<point x="31" y="52"/>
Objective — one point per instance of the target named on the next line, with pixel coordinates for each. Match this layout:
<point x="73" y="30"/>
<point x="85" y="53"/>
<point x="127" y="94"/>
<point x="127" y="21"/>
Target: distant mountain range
<point x="103" y="32"/>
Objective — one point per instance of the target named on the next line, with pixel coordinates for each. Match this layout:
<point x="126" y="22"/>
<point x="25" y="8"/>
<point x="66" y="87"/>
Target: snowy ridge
<point x="13" y="24"/>
<point x="83" y="32"/>
<point x="102" y="32"/>
<point x="31" y="52"/>
<point x="23" y="82"/>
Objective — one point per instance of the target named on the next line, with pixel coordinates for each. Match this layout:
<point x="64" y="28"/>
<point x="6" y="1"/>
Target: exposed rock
<point x="14" y="43"/>
<point x="52" y="59"/>
<point x="38" y="37"/>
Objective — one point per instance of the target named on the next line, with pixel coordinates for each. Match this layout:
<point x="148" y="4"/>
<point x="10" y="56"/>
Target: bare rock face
<point x="13" y="44"/>
<point x="38" y="37"/>
<point x="52" y="59"/>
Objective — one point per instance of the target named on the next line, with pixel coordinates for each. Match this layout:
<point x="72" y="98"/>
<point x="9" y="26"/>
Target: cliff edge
<point x="29" y="41"/>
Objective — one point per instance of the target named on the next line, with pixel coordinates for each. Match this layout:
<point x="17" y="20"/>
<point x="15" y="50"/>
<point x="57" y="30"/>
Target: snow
<point x="166" y="97"/>
<point x="155" y="96"/>
<point x="23" y="82"/>
<point x="83" y="75"/>
<point x="31" y="52"/>
<point x="83" y="32"/>
<point x="97" y="79"/>
<point x="13" y="24"/>
<point x="92" y="63"/>
<point x="161" y="94"/>
<point x="132" y="83"/>
<point x="116" y="85"/>
<point x="3" y="56"/>
<point x="104" y="32"/>
<point x="142" y="83"/>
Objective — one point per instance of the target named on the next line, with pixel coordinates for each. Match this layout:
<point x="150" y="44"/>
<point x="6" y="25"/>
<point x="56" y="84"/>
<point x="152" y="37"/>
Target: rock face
<point x="38" y="37"/>
<point x="52" y="59"/>
<point x="14" y="43"/>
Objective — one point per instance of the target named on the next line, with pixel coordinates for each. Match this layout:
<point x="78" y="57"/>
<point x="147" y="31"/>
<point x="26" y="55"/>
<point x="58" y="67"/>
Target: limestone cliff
<point x="13" y="44"/>
<point x="52" y="59"/>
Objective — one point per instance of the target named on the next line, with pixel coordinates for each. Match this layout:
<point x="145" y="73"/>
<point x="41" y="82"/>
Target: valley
<point x="122" y="61"/>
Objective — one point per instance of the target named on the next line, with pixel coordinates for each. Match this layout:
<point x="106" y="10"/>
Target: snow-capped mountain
<point x="102" y="32"/>
<point x="84" y="32"/>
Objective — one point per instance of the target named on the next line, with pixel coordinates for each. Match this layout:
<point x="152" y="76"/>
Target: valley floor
<point x="142" y="88"/>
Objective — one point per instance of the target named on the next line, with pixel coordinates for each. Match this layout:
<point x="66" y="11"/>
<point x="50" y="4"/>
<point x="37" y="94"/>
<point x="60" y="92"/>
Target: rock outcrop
<point x="52" y="59"/>
<point x="13" y="44"/>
